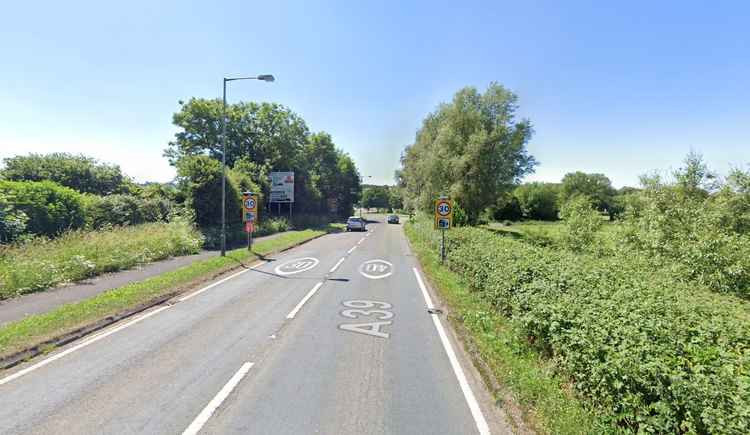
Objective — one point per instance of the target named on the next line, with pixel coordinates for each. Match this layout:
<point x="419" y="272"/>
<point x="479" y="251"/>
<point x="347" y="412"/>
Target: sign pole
<point x="442" y="247"/>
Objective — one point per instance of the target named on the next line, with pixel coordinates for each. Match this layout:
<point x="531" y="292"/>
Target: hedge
<point x="650" y="351"/>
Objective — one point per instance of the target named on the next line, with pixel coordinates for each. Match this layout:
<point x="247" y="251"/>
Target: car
<point x="356" y="223"/>
<point x="393" y="219"/>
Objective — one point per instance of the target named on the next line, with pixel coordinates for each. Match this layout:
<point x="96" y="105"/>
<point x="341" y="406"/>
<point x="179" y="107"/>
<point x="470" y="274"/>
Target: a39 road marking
<point x="363" y="307"/>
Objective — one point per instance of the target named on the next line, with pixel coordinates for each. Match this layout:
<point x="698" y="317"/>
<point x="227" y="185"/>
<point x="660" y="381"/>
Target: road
<point x="319" y="339"/>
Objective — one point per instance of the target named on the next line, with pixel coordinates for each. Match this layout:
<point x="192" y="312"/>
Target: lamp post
<point x="361" y="179"/>
<point x="265" y="78"/>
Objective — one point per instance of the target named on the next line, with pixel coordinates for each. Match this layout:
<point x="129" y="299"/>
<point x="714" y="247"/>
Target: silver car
<point x="356" y="223"/>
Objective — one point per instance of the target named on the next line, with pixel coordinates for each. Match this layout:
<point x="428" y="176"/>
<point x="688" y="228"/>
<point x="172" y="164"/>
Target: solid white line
<point x="426" y="295"/>
<point x="221" y="281"/>
<point x="351" y="250"/>
<point x="302" y="302"/>
<point x="214" y="404"/>
<point x="336" y="266"/>
<point x="84" y="343"/>
<point x="476" y="411"/>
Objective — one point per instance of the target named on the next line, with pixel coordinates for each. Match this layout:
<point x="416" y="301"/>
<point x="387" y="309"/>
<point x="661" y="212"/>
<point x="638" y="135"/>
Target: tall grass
<point x="41" y="263"/>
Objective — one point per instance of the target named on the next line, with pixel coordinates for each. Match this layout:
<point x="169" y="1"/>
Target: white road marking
<point x="376" y="269"/>
<point x="352" y="249"/>
<point x="296" y="265"/>
<point x="214" y="404"/>
<point x="361" y="240"/>
<point x="83" y="344"/>
<point x="476" y="411"/>
<point x="336" y="266"/>
<point x="302" y="302"/>
<point x="221" y="281"/>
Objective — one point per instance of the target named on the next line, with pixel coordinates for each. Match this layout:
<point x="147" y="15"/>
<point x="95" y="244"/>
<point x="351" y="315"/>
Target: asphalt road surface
<point x="332" y="337"/>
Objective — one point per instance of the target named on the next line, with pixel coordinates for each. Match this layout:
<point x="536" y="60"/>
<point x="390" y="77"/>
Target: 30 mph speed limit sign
<point x="249" y="207"/>
<point x="443" y="213"/>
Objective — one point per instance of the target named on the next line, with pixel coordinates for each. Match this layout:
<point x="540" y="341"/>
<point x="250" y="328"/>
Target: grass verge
<point x="546" y="402"/>
<point x="36" y="329"/>
<point x="43" y="263"/>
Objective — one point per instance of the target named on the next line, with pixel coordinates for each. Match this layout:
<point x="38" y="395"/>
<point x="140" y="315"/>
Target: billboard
<point x="282" y="187"/>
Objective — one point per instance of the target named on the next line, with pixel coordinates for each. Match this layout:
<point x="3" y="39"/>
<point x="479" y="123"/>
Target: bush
<point x="582" y="222"/>
<point x="78" y="172"/>
<point x="200" y="180"/>
<point x="51" y="209"/>
<point x="653" y="353"/>
<point x="12" y="221"/>
<point x="119" y="210"/>
<point x="41" y="263"/>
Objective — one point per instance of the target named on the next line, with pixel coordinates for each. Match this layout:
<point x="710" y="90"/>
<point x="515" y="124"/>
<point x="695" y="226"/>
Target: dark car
<point x="393" y="219"/>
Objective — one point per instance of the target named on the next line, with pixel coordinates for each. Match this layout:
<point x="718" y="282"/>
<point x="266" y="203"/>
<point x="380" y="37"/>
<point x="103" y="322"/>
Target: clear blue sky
<point x="615" y="89"/>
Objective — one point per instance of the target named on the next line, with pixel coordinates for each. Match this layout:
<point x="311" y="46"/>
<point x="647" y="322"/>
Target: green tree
<point x="597" y="187"/>
<point x="472" y="148"/>
<point x="538" y="200"/>
<point x="268" y="133"/>
<point x="200" y="180"/>
<point x="78" y="172"/>
<point x="375" y="196"/>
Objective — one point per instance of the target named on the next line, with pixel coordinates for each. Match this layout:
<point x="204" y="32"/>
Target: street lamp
<point x="265" y="78"/>
<point x="361" y="179"/>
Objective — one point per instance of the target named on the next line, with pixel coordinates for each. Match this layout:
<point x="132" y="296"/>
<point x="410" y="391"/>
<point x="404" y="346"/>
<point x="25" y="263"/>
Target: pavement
<point x="17" y="308"/>
<point x="331" y="337"/>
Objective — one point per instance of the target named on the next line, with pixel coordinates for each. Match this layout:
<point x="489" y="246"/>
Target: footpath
<point x="42" y="302"/>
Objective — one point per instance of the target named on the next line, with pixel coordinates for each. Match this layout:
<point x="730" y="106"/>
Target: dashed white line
<point x="221" y="281"/>
<point x="214" y="404"/>
<point x="476" y="411"/>
<point x="302" y="302"/>
<point x="336" y="266"/>
<point x="361" y="240"/>
<point x="352" y="249"/>
<point x="83" y="344"/>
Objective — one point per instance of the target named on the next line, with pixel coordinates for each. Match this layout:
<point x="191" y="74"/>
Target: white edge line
<point x="221" y="281"/>
<point x="214" y="404"/>
<point x="84" y="343"/>
<point x="476" y="411"/>
<point x="336" y="266"/>
<point x="352" y="249"/>
<point x="302" y="302"/>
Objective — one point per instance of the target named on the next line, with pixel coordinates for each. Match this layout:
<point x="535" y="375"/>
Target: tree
<point x="538" y="200"/>
<point x="375" y="196"/>
<point x="597" y="187"/>
<point x="78" y="172"/>
<point x="472" y="148"/>
<point x="200" y="180"/>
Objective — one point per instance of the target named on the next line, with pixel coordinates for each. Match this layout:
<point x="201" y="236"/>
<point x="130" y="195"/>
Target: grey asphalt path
<point x="42" y="302"/>
<point x="308" y="375"/>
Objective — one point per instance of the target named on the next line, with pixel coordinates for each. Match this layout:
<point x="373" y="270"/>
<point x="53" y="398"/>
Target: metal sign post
<point x="249" y="215"/>
<point x="443" y="220"/>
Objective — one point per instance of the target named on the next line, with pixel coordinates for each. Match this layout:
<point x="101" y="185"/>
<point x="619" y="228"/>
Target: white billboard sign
<point x="282" y="187"/>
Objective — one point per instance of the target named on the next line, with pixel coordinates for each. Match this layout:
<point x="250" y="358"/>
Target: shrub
<point x="581" y="223"/>
<point x="12" y="221"/>
<point x="119" y="210"/>
<point x="200" y="180"/>
<point x="653" y="353"/>
<point x="78" y="172"/>
<point x="50" y="208"/>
